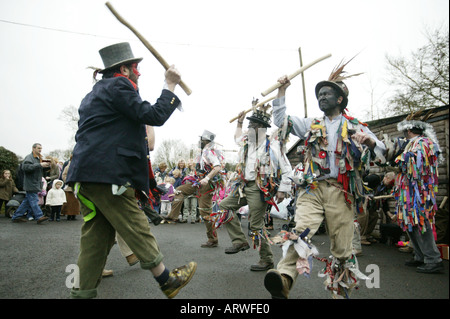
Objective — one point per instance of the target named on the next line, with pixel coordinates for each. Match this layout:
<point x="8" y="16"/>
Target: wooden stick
<point x="293" y="75"/>
<point x="383" y="197"/>
<point x="259" y="104"/>
<point x="147" y="45"/>
<point x="443" y="202"/>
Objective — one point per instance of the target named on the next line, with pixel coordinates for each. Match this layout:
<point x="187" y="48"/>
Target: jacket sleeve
<point x="28" y="165"/>
<point x="127" y="101"/>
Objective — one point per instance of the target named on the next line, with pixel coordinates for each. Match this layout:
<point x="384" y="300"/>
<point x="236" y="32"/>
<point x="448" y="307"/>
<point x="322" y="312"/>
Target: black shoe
<point x="261" y="266"/>
<point x="237" y="248"/>
<point x="277" y="284"/>
<point x="413" y="263"/>
<point x="431" y="268"/>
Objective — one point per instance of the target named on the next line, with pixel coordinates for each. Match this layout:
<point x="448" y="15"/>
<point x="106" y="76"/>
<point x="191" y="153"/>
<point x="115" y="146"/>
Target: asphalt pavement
<point x="35" y="263"/>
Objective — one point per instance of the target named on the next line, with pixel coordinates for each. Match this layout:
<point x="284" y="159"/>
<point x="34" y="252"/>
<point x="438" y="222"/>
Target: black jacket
<point x="111" y="145"/>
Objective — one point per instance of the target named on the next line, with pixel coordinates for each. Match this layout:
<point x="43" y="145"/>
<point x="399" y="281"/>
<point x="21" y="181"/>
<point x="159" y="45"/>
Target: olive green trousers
<point x="112" y="213"/>
<point x="257" y="211"/>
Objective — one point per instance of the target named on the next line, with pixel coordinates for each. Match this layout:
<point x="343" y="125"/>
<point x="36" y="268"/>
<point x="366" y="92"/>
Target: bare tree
<point x="170" y="151"/>
<point x="421" y="80"/>
<point x="69" y="115"/>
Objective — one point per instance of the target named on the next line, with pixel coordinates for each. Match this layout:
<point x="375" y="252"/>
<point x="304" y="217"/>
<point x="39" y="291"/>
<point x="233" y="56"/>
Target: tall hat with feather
<point x="335" y="80"/>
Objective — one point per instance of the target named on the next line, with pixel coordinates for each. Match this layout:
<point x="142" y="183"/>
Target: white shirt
<point x="257" y="152"/>
<point x="301" y="126"/>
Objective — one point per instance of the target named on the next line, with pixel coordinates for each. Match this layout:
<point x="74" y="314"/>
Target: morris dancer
<point x="263" y="174"/>
<point x="204" y="182"/>
<point x="110" y="164"/>
<point x="337" y="147"/>
<point x="415" y="191"/>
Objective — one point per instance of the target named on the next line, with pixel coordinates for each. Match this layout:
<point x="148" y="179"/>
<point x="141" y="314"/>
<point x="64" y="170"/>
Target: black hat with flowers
<point x="260" y="116"/>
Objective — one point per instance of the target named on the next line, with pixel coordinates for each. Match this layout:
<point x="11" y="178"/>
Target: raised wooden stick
<point x="293" y="75"/>
<point x="147" y="45"/>
<point x="257" y="105"/>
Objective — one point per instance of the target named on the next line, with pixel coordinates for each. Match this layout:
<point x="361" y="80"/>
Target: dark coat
<point x="33" y="173"/>
<point x="111" y="145"/>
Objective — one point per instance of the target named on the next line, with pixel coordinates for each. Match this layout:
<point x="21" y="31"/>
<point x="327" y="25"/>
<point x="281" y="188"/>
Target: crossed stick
<point x="276" y="86"/>
<point x="147" y="45"/>
<point x="259" y="104"/>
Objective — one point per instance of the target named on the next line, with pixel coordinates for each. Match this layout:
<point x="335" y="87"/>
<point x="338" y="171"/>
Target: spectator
<point x="181" y="166"/>
<point x="56" y="197"/>
<point x="72" y="206"/>
<point x="167" y="198"/>
<point x="7" y="188"/>
<point x="33" y="166"/>
<point x="160" y="173"/>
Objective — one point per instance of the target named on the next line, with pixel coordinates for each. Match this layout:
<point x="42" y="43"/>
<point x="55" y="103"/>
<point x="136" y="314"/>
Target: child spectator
<point x="178" y="178"/>
<point x="167" y="198"/>
<point x="7" y="188"/>
<point x="56" y="197"/>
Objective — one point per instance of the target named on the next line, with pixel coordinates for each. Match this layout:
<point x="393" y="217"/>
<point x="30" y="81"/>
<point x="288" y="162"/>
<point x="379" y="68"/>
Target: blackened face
<point x="328" y="99"/>
<point x="203" y="143"/>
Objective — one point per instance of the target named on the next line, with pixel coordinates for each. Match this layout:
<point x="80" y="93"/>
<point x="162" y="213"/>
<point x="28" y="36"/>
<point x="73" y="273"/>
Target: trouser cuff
<point x="83" y="294"/>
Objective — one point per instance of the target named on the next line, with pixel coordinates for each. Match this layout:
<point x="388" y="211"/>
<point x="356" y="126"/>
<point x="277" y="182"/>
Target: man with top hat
<point x="337" y="147"/>
<point x="110" y="166"/>
<point x="262" y="179"/>
<point x="205" y="181"/>
<point x="416" y="188"/>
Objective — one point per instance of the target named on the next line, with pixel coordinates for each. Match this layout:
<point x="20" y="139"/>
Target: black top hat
<point x="261" y="117"/>
<point x="116" y="55"/>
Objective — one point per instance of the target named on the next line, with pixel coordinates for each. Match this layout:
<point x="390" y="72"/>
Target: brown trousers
<point x="205" y="194"/>
<point x="325" y="201"/>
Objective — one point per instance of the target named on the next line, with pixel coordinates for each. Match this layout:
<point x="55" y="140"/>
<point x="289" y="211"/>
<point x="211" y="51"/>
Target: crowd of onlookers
<point x="56" y="199"/>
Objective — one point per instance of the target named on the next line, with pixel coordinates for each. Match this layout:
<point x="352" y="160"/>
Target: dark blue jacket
<point x="111" y="145"/>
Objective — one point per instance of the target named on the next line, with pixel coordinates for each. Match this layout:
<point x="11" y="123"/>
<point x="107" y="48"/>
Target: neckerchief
<point x="132" y="83"/>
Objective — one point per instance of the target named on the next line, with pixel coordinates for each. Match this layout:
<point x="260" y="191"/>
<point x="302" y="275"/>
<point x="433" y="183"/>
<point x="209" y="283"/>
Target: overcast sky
<point x="228" y="52"/>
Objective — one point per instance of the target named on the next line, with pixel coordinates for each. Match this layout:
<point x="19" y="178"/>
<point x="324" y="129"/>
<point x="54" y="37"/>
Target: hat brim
<point x="255" y="119"/>
<point x="129" y="61"/>
<point x="335" y="86"/>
